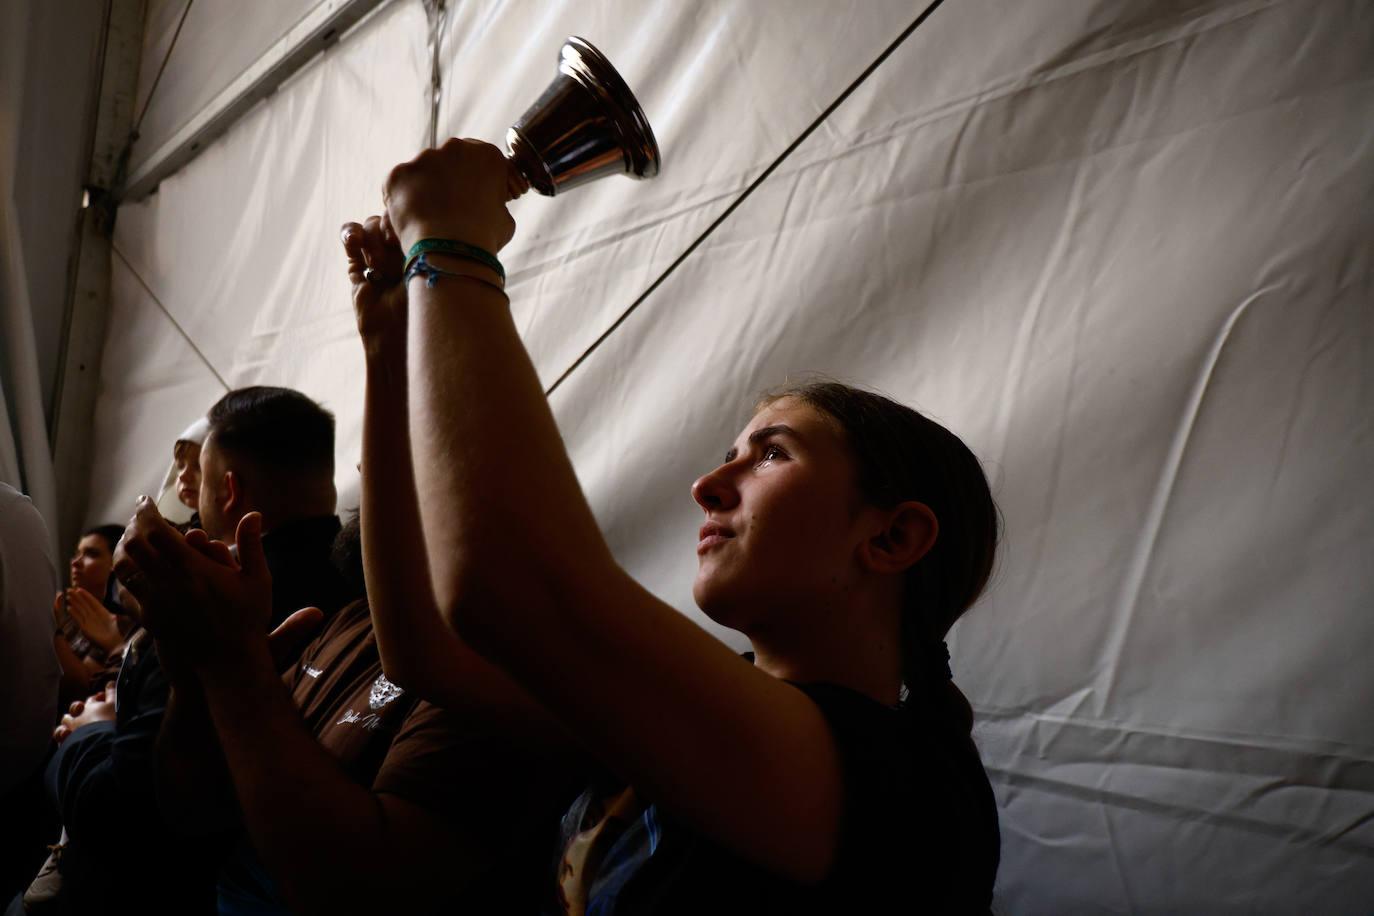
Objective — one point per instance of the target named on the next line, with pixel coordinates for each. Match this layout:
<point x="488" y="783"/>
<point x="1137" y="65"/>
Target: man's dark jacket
<point x="121" y="854"/>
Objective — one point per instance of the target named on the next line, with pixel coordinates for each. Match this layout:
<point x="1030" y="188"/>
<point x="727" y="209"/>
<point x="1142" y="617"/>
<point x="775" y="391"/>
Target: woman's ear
<point x="908" y="533"/>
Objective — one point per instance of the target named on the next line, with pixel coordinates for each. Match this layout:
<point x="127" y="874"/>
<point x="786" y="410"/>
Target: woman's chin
<point x="704" y="595"/>
<point x="718" y="607"/>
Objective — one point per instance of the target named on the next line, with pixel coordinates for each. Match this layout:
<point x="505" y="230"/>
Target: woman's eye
<point x="772" y="452"/>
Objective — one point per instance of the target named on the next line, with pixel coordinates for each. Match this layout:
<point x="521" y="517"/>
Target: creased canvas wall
<point x="1123" y="248"/>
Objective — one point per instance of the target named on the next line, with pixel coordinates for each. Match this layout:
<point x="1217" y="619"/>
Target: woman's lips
<point x="712" y="534"/>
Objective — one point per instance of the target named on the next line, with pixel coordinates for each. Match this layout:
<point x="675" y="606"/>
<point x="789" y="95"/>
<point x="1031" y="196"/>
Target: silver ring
<point x="371" y="276"/>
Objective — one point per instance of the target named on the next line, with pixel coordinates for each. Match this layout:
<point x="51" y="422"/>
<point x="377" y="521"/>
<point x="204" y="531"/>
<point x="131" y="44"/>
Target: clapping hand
<point x="196" y="598"/>
<point x="98" y="707"/>
<point x="99" y="625"/>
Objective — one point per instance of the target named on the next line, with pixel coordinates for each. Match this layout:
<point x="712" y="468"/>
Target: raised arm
<point x="521" y="569"/>
<point x="194" y="791"/>
<point x="77" y="672"/>
<point x="419" y="652"/>
<point x="194" y="787"/>
<point x="304" y="814"/>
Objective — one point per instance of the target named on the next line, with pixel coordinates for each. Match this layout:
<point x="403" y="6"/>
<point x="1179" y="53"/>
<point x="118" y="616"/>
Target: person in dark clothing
<point x="91" y="625"/>
<point x="273" y="453"/>
<point x="333" y="766"/>
<point x="843" y="534"/>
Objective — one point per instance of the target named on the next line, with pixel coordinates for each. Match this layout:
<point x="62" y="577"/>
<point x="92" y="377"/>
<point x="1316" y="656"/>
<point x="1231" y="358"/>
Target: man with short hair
<point x="335" y="769"/>
<point x="269" y="450"/>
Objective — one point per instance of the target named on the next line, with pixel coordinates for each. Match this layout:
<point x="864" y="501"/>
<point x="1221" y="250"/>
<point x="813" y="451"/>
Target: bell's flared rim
<point x="580" y="60"/>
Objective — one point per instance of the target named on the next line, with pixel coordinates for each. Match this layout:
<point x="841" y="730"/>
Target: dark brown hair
<point x="285" y="432"/>
<point x="110" y="534"/>
<point x="901" y="455"/>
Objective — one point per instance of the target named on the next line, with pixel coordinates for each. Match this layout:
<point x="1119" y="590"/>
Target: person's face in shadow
<point x="221" y="502"/>
<point x="91" y="564"/>
<point x="782" y="519"/>
<point x="188" y="473"/>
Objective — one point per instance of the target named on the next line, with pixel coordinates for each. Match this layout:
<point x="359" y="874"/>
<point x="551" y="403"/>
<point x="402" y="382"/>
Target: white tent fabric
<point x="214" y="42"/>
<point x="47" y="59"/>
<point x="1122" y="248"/>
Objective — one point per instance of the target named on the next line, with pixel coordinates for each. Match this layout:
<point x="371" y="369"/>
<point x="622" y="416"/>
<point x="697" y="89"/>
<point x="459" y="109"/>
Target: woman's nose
<point x="714" y="490"/>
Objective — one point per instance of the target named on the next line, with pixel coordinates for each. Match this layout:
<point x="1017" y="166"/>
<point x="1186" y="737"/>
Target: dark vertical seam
<point x="791" y="147"/>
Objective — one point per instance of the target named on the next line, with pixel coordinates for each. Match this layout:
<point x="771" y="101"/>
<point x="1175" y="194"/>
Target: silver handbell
<point x="586" y="125"/>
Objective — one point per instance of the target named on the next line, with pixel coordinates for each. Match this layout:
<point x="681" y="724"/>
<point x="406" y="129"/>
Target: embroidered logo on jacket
<point x="383" y="692"/>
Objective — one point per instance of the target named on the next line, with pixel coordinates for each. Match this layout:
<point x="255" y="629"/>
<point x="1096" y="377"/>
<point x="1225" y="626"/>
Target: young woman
<point x="843" y="534"/>
<point x="90" y="625"/>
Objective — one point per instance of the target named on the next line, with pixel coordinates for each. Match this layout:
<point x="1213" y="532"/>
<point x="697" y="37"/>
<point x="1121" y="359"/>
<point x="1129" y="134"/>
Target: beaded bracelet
<point x="456" y="249"/>
<point x="419" y="266"/>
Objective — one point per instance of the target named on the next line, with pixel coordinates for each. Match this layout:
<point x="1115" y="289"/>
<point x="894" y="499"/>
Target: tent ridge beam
<point x="316" y="31"/>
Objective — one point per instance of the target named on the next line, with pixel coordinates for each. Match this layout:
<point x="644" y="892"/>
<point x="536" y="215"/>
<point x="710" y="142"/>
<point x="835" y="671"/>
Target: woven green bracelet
<point x="458" y="250"/>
